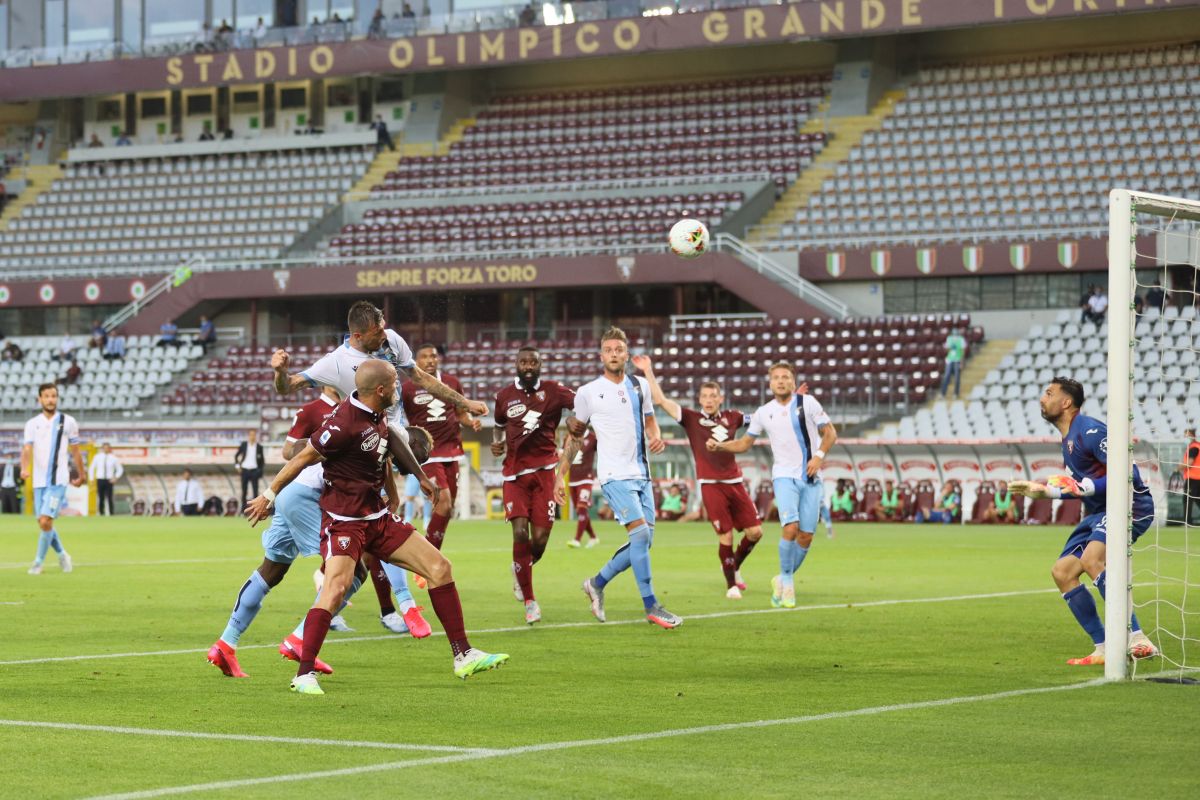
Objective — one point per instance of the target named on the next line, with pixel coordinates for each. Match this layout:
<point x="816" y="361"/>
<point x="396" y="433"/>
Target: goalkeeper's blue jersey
<point x="1085" y="454"/>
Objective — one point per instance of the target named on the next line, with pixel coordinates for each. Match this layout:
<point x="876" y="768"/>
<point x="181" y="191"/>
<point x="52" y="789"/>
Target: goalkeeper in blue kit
<point x="1085" y="454"/>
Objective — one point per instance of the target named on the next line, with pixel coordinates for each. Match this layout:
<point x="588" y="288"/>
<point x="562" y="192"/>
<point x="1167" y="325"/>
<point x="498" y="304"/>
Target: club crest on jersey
<point x="1071" y="448"/>
<point x="516" y="409"/>
<point x="343" y="542"/>
<point x="371" y="442"/>
<point x="1104" y="446"/>
<point x="422" y="399"/>
<point x="541" y="395"/>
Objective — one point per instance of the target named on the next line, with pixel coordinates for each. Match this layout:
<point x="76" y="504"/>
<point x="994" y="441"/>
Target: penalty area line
<point x="236" y="737"/>
<point x="598" y="742"/>
<point x="555" y="626"/>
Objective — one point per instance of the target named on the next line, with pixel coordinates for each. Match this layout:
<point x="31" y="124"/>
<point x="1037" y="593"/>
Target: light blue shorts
<point x="296" y="527"/>
<point x="630" y="500"/>
<point x="798" y="502"/>
<point x="49" y="501"/>
<point x="412" y="486"/>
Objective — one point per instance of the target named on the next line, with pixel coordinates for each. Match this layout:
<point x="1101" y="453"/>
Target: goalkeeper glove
<point x="1059" y="486"/>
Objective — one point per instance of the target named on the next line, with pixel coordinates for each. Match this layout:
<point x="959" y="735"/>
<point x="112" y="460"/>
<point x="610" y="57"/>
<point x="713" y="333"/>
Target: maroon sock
<point x="581" y="526"/>
<point x="383" y="587"/>
<point x="588" y="521"/>
<point x="725" y="551"/>
<point x="448" y="608"/>
<point x="743" y="550"/>
<point x="537" y="548"/>
<point x="523" y="567"/>
<point x="316" y="626"/>
<point x="436" y="532"/>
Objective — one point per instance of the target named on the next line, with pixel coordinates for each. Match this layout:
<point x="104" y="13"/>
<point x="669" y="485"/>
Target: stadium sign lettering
<point x="489" y="275"/>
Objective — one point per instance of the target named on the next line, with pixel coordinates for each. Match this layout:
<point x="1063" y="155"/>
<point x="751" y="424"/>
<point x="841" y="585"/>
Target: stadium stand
<point x="1005" y="405"/>
<point x="546" y="223"/>
<point x="117" y="385"/>
<point x="146" y="213"/>
<point x="730" y="126"/>
<point x="1038" y="142"/>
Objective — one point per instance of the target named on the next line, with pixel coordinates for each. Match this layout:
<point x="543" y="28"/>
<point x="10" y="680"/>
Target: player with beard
<point x="49" y="437"/>
<point x="527" y="416"/>
<point x="722" y="487"/>
<point x="353" y="446"/>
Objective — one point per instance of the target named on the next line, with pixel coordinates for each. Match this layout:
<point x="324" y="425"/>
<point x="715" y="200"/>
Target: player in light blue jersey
<point x="1085" y="454"/>
<point x="49" y="437"/>
<point x="800" y="433"/>
<point x="620" y="411"/>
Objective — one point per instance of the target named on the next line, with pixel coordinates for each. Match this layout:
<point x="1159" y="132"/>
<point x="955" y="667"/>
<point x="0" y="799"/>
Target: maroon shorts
<point x="445" y="475"/>
<point x="581" y="495"/>
<point x="729" y="507"/>
<point x="531" y="497"/>
<point x="380" y="537"/>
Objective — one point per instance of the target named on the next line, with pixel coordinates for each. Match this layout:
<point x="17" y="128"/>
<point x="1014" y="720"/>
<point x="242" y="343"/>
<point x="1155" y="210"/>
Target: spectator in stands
<point x="188" y="495"/>
<point x="105" y="470"/>
<point x="672" y="504"/>
<point x="1097" y="306"/>
<point x="528" y="16"/>
<point x="12" y="352"/>
<point x="260" y="31"/>
<point x="208" y="333"/>
<point x="95" y="141"/>
<point x="66" y="348"/>
<point x="1139" y="306"/>
<point x="1156" y="297"/>
<point x="249" y="460"/>
<point x="168" y="334"/>
<point x="72" y="375"/>
<point x="123" y="140"/>
<point x="1191" y="472"/>
<point x="408" y="12"/>
<point x="956" y="347"/>
<point x="99" y="335"/>
<point x="842" y="504"/>
<point x="948" y="506"/>
<point x="114" y="348"/>
<point x="1002" y="509"/>
<point x="375" y="29"/>
<point x="383" y="138"/>
<point x="10" y="483"/>
<point x="890" y="505"/>
<point x="207" y="136"/>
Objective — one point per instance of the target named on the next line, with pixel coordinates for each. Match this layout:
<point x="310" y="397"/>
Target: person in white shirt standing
<point x="48" y="438"/>
<point x="620" y="411"/>
<point x="793" y="423"/>
<point x="249" y="460"/>
<point x="105" y="470"/>
<point x="188" y="496"/>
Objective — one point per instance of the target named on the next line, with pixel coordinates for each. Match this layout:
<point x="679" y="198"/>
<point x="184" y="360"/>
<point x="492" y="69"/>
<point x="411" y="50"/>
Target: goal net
<point x="1153" y="399"/>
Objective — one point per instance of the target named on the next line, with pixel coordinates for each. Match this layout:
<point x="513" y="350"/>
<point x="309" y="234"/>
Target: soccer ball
<point x="689" y="238"/>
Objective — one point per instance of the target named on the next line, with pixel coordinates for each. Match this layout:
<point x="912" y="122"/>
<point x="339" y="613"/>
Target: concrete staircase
<point x="844" y="133"/>
<point x="37" y="180"/>
<point x="386" y="160"/>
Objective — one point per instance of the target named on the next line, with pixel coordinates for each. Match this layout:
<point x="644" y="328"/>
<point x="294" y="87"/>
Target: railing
<point x="961" y="235"/>
<point x="486" y="19"/>
<point x="805" y="290"/>
<point x="679" y="320"/>
<point x="683" y="179"/>
<point x="177" y="278"/>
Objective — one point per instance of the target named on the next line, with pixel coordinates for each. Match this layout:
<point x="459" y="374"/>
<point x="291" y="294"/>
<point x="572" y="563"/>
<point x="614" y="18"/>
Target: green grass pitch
<point x="890" y="616"/>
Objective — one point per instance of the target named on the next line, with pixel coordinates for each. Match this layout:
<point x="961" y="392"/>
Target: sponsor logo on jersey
<point x="516" y="409"/>
<point x="531" y="420"/>
<point x="325" y="437"/>
<point x="423" y="398"/>
<point x="1090" y="431"/>
<point x="371" y="442"/>
<point x="436" y="411"/>
<point x="720" y="433"/>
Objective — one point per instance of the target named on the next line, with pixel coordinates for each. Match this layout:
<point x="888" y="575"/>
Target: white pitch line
<point x="162" y="562"/>
<point x="553" y="626"/>
<point x="12" y="602"/>
<point x="578" y="743"/>
<point x="237" y="737"/>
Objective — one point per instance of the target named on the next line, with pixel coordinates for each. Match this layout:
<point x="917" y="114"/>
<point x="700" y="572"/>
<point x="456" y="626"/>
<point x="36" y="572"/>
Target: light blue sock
<point x="355" y="585"/>
<point x="619" y="562"/>
<point x="786" y="564"/>
<point x="55" y="542"/>
<point x="410" y="507"/>
<point x="43" y="546"/>
<point x="398" y="578"/>
<point x="1101" y="582"/>
<point x="428" y="512"/>
<point x="249" y="602"/>
<point x="639" y="559"/>
<point x="798" y="554"/>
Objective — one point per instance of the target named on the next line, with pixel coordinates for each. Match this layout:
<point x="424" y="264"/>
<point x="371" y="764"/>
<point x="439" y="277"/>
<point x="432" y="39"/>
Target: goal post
<point x="1168" y="229"/>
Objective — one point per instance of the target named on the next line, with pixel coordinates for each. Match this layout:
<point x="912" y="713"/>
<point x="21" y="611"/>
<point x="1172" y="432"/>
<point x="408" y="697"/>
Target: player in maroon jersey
<point x="353" y="446"/>
<point x="527" y="416"/>
<point x="722" y="486"/>
<point x="442" y="421"/>
<point x="582" y="479"/>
